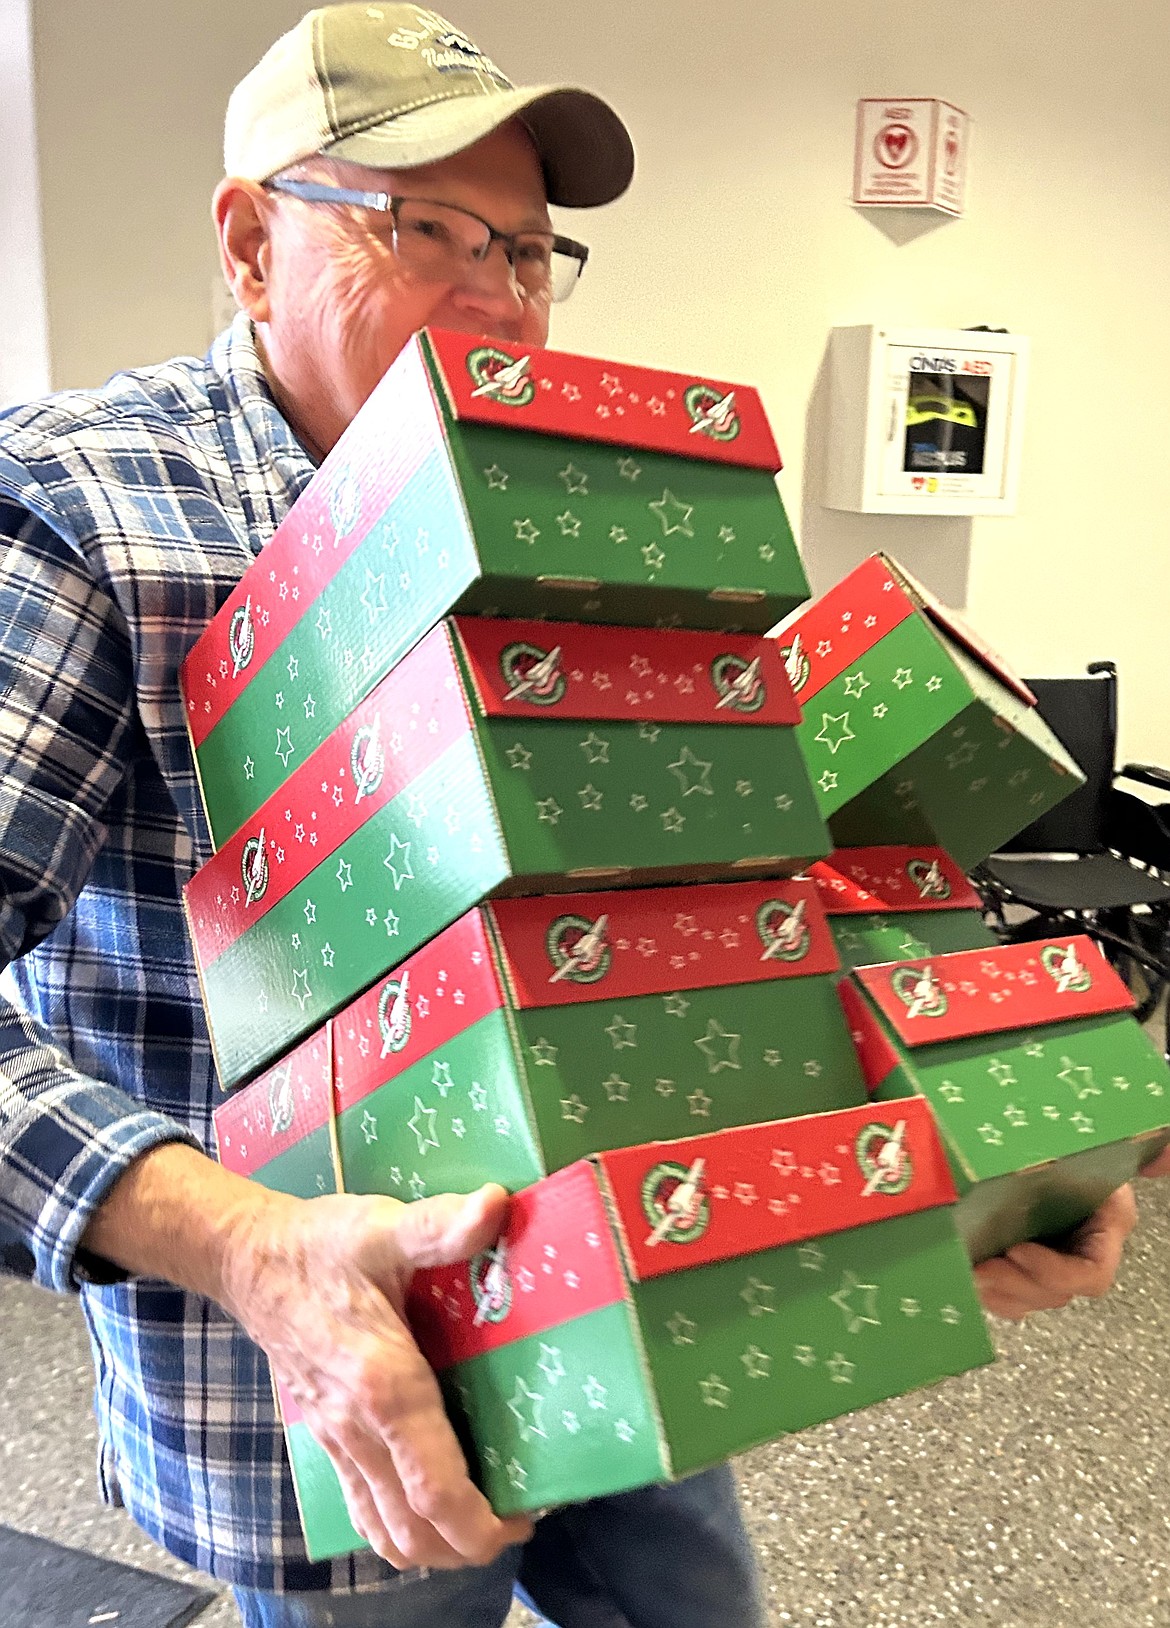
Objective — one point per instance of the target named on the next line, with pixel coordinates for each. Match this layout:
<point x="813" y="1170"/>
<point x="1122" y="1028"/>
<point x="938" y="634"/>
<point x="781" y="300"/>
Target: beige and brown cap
<point x="395" y="86"/>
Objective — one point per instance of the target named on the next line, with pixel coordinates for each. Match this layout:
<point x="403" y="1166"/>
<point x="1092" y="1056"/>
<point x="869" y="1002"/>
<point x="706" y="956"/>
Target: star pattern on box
<point x="834" y="731"/>
<point x="857" y="1302"/>
<point x="674" y="515"/>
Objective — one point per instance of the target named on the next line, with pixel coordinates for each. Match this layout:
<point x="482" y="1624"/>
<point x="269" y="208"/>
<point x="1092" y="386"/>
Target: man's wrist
<point x="176" y="1214"/>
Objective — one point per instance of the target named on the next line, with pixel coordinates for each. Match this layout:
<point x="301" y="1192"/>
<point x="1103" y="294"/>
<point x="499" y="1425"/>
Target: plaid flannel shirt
<point x="127" y="515"/>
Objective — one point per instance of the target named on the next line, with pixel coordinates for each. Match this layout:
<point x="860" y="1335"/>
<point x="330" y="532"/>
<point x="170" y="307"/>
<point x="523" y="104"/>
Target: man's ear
<point x="240" y="210"/>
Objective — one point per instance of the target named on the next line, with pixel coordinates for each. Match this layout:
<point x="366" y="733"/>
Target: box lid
<point x="278" y="1109"/>
<point x="570" y="670"/>
<point x="550" y="392"/>
<point x="555" y="1260"/>
<point x="425" y="1002"/>
<point x="561" y="950"/>
<point x="960" y="630"/>
<point x="865" y="881"/>
<point x="987" y="991"/>
<point x="358" y="769"/>
<point x="709" y="1198"/>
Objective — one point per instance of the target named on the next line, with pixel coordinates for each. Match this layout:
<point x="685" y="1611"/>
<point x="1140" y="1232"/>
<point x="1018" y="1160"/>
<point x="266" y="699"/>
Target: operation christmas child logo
<point x="783" y="931"/>
<point x="928" y="879"/>
<point x="500" y="377"/>
<point x="241" y="637"/>
<point x="796" y="664"/>
<point x="1068" y="973"/>
<point x="281" y="1101"/>
<point x="578" y="949"/>
<point x="254" y="870"/>
<point x="882" y="1158"/>
<point x="533" y="674"/>
<point x="711" y="414"/>
<point x="367" y="760"/>
<point x="738" y="683"/>
<point x="674" y="1203"/>
<point x="919" y="992"/>
<point x="394" y="1016"/>
<point x="491" y="1285"/>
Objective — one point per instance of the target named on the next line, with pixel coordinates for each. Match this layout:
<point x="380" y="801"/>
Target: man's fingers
<point x="407" y="1530"/>
<point x="439" y="1231"/>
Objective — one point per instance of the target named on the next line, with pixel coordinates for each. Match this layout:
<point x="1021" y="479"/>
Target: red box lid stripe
<point x="450" y="984"/>
<point x="569" y="948"/>
<point x="1012" y="986"/>
<point x="556" y="1260"/>
<point x="821" y="641"/>
<point x="556" y="393"/>
<point x="280" y="1108"/>
<point x="567" y="670"/>
<point x="710" y="1198"/>
<point x="312" y="542"/>
<point x="855" y="881"/>
<point x="366" y="762"/>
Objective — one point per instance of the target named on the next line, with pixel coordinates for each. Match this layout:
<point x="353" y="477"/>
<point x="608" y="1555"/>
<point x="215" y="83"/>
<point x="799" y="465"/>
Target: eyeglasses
<point x="436" y="242"/>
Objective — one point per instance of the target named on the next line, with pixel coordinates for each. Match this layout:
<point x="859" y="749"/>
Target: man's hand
<point x="1159" y="1166"/>
<point x="1032" y="1277"/>
<point x="321" y="1287"/>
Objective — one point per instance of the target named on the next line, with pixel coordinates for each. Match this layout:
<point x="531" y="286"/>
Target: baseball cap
<point x="395" y="86"/>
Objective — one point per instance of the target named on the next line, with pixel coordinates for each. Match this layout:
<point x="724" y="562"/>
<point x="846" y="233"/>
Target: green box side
<point x="971" y="787"/>
<point x="409" y="570"/>
<point x="1018" y="1099"/>
<point x="559" y="1417"/>
<point x="1046" y="1201"/>
<point x="305" y="1170"/>
<point x="456" y="1118"/>
<point x="355" y="916"/>
<point x="908" y="935"/>
<point x="324" y="1517"/>
<point x="735" y="795"/>
<point x="614" y="1073"/>
<point x="549" y="507"/>
<point x="871" y="717"/>
<point x="747" y="1350"/>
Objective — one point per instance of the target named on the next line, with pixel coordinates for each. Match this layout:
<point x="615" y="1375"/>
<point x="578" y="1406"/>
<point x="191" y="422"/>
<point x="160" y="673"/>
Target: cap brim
<point x="585" y="149"/>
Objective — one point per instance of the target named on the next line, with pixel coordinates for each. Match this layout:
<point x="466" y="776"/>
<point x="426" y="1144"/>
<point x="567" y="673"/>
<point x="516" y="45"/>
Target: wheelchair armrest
<point x="1146" y="774"/>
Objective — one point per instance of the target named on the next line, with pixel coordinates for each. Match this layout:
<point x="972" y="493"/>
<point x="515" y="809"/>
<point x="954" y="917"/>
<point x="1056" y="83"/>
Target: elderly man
<point x="381" y="174"/>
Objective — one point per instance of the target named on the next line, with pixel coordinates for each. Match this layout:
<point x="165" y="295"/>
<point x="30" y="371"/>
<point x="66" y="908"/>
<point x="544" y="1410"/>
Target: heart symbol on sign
<point x="895" y="143"/>
<point x="918" y="482"/>
<point x="895" y="146"/>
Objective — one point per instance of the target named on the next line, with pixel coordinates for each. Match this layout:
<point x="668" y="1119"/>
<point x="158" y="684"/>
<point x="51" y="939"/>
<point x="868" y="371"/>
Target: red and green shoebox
<point x="655" y="1309"/>
<point x="1048" y="1093"/>
<point x="495" y="481"/>
<point x="496" y="757"/>
<point x="279" y="1132"/>
<point x="897" y="903"/>
<point x="534" y="1032"/>
<point x="912" y="729"/>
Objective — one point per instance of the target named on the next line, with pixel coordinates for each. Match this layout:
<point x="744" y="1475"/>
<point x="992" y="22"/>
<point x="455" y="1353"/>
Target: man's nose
<point x="489" y="286"/>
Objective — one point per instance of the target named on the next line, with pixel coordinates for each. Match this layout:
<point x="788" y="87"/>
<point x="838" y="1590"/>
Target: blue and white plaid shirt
<point x="127" y="515"/>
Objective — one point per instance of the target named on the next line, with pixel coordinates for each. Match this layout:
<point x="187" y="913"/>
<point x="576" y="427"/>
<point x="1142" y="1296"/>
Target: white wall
<point x="737" y="249"/>
<point x="24" y="337"/>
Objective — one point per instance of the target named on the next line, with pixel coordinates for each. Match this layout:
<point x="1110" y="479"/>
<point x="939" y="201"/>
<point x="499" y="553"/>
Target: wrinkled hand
<point x="321" y="1286"/>
<point x="1032" y="1277"/>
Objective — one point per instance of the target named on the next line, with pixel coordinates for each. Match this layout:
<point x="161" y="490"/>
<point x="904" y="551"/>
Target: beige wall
<point x="737" y="249"/>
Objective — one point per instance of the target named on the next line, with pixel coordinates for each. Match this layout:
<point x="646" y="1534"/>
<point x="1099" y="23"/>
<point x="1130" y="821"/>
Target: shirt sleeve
<point x="67" y="716"/>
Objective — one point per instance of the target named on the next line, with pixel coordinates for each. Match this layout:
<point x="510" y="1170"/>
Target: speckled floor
<point x="1033" y="1494"/>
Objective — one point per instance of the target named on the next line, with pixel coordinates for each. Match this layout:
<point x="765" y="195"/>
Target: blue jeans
<point x="660" y="1557"/>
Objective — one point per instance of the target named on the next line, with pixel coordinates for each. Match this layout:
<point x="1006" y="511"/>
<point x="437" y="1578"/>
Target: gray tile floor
<point x="1033" y="1494"/>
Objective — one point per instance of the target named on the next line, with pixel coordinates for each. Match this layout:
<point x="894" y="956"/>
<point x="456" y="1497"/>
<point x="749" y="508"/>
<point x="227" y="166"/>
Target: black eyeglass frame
<point x="387" y="203"/>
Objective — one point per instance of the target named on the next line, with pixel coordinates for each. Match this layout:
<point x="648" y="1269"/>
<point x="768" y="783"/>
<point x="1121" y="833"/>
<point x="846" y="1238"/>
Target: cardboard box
<point x="497" y="482"/>
<point x="1049" y="1095"/>
<point x="898" y="903"/>
<point x="912" y="729"/>
<point x="534" y="1032"/>
<point x="656" y="1309"/>
<point x="497" y="757"/>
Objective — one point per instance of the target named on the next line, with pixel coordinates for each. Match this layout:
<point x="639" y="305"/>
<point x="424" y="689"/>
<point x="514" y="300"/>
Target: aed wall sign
<point x="911" y="153"/>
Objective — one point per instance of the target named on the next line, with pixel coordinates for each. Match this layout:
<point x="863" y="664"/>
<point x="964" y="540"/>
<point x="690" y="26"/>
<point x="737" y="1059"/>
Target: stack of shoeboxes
<point x="506" y="784"/>
<point x="926" y="754"/>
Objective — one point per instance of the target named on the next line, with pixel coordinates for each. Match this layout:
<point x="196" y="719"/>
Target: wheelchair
<point x="1098" y="863"/>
